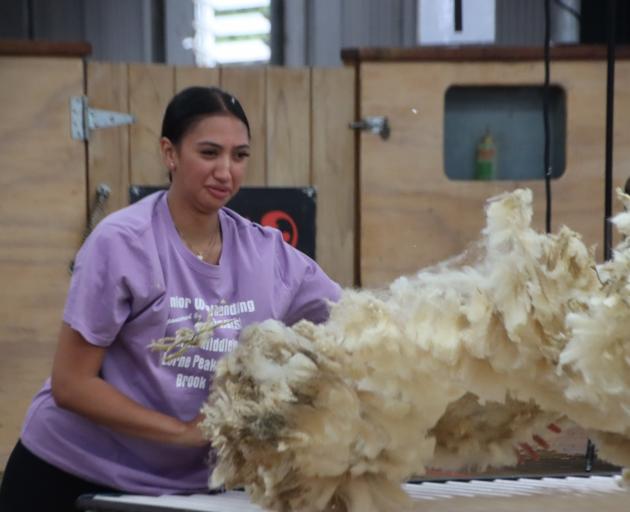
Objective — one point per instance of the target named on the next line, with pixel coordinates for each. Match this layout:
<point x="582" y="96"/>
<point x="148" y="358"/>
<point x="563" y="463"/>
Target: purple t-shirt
<point x="134" y="282"/>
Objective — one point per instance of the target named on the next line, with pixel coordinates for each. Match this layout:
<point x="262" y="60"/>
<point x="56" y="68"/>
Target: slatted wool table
<point x="549" y="494"/>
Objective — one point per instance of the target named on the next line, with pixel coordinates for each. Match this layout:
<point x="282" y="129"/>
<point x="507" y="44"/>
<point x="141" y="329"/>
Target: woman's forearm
<point x="78" y="387"/>
<point x="100" y="402"/>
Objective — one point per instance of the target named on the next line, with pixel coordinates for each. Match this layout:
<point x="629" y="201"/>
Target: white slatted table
<point x="552" y="494"/>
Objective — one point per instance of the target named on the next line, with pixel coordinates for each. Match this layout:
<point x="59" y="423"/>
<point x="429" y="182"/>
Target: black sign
<point x="289" y="209"/>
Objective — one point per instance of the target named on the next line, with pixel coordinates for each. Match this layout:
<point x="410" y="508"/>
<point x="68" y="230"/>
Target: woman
<point x="115" y="415"/>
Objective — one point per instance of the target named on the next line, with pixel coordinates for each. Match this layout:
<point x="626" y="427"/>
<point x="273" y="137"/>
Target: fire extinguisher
<point x="486" y="159"/>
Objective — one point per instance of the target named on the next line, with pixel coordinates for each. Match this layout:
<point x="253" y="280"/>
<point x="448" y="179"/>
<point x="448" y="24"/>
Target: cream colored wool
<point x="452" y="367"/>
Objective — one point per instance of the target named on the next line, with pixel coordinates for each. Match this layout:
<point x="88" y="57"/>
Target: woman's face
<point x="208" y="165"/>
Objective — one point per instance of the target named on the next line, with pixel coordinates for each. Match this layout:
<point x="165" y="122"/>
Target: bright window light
<point x="231" y="32"/>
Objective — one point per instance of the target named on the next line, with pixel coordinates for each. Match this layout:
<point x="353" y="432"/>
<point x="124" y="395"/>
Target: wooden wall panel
<point x="334" y="171"/>
<point x="108" y="155"/>
<point x="189" y="76"/>
<point x="288" y="127"/>
<point x="299" y="120"/>
<point x="151" y="86"/>
<point x="42" y="215"/>
<point x="413" y="216"/>
<point x="248" y="85"/>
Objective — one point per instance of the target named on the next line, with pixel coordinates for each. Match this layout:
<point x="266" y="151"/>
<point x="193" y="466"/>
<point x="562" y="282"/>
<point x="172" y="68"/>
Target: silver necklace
<point x="200" y="254"/>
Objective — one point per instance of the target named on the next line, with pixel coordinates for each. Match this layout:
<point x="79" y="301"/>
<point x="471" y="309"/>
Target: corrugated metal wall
<point x="378" y="23"/>
<point x="314" y="31"/>
<point x="119" y="30"/>
<point x="520" y="22"/>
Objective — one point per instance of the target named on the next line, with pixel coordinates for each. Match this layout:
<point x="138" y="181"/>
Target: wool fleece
<point x="449" y="368"/>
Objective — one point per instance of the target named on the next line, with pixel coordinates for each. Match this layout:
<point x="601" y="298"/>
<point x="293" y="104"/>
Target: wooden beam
<point x="25" y="47"/>
<point x="479" y="53"/>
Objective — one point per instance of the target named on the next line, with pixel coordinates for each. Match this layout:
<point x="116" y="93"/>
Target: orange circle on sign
<point x="273" y="219"/>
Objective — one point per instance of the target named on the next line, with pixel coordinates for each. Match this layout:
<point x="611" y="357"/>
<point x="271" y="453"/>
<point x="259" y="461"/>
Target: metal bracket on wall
<point x="378" y="125"/>
<point x="84" y="119"/>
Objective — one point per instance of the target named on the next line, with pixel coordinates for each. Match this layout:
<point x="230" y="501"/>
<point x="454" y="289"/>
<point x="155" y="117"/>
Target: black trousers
<point x="30" y="484"/>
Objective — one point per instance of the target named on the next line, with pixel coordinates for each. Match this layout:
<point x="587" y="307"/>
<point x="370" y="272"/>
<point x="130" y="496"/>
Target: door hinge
<point x="83" y="119"/>
<point x="375" y="124"/>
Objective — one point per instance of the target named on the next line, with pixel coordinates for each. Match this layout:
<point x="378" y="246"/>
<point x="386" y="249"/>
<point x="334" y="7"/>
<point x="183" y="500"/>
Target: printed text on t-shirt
<point x="227" y="316"/>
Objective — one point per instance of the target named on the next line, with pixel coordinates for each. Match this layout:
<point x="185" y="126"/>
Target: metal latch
<point x="84" y="119"/>
<point x="378" y="125"/>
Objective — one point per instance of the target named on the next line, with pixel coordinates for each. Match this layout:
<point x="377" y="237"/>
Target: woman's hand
<point x="78" y="387"/>
<point x="191" y="434"/>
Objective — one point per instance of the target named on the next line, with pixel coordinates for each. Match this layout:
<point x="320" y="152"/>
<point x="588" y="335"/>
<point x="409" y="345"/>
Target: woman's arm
<point x="76" y="386"/>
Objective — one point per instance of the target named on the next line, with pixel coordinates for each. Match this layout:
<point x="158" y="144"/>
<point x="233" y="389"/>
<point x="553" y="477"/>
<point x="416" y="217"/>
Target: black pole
<point x="458" y="22"/>
<point x="610" y="110"/>
<point x="547" y="151"/>
<point x="276" y="13"/>
<point x="30" y="19"/>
